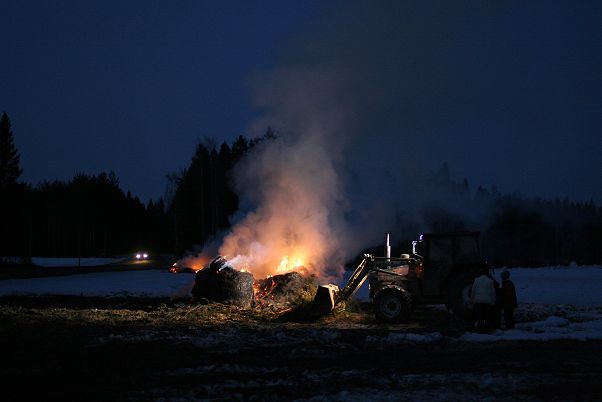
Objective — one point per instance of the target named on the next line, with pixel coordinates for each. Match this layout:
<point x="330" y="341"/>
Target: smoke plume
<point x="367" y="105"/>
<point x="294" y="181"/>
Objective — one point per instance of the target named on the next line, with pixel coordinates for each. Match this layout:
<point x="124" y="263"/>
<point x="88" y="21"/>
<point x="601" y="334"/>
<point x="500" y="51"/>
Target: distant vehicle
<point x="141" y="255"/>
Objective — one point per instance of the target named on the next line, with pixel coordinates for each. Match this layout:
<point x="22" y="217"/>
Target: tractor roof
<point x="449" y="234"/>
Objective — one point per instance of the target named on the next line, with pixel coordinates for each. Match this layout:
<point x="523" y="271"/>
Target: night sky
<point x="133" y="86"/>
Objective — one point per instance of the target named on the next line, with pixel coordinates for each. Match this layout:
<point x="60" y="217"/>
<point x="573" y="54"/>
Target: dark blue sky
<point x="509" y="93"/>
<point x="132" y="86"/>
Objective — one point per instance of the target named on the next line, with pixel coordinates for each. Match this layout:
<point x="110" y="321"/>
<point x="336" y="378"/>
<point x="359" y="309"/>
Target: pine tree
<point x="9" y="156"/>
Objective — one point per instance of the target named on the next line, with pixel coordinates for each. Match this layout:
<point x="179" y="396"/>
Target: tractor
<point x="440" y="271"/>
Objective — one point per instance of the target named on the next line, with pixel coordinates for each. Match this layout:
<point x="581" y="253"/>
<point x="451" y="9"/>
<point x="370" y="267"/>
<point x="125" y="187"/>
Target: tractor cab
<point x="442" y="255"/>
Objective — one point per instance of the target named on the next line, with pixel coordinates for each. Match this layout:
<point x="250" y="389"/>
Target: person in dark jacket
<point x="508" y="299"/>
<point x="496" y="311"/>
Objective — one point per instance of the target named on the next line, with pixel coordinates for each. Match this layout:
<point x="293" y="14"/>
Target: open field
<point x="85" y="348"/>
<point x="38" y="271"/>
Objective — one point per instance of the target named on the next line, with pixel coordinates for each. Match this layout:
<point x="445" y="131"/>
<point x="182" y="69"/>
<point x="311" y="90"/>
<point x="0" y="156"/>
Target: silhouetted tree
<point x="203" y="200"/>
<point x="13" y="195"/>
<point x="10" y="159"/>
<point x="516" y="230"/>
<point x="88" y="216"/>
<point x="240" y="146"/>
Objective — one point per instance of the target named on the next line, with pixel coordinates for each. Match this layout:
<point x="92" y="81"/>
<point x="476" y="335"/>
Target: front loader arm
<point x="328" y="296"/>
<point x="356" y="280"/>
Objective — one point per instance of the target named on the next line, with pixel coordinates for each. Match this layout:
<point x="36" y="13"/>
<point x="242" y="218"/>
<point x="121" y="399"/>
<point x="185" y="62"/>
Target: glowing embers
<point x="264" y="287"/>
<point x="285" y="288"/>
<point x="177" y="268"/>
<point x="191" y="263"/>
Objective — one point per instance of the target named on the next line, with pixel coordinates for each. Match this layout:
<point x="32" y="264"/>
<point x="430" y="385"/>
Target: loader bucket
<point x="325" y="300"/>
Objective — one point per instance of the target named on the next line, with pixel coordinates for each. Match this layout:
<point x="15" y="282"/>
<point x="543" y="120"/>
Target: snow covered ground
<point x="564" y="285"/>
<point x="563" y="302"/>
<point x="572" y="284"/>
<point x="148" y="283"/>
<point x="554" y="302"/>
<point x="64" y="262"/>
<point x="74" y="262"/>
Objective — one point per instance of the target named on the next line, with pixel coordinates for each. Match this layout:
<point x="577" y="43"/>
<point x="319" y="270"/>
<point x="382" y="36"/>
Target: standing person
<point x="508" y="293"/>
<point x="496" y="310"/>
<point x="483" y="298"/>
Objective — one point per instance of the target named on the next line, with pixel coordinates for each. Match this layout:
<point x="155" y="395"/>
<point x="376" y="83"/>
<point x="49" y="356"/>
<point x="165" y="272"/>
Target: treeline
<point x="203" y="201"/>
<point x="535" y="232"/>
<point x="517" y="230"/>
<point x="90" y="215"/>
<point x="87" y="216"/>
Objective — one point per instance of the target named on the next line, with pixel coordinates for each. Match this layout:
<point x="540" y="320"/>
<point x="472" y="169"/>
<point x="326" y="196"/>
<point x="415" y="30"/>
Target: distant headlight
<point x="141" y="255"/>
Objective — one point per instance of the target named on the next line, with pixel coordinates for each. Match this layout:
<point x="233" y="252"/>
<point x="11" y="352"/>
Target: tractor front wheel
<point x="392" y="305"/>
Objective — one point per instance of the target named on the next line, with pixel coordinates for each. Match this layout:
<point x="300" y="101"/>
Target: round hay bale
<point x="223" y="285"/>
<point x="289" y="288"/>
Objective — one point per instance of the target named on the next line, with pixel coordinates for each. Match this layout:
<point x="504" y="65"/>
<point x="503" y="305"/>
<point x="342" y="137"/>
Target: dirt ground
<point x="73" y="348"/>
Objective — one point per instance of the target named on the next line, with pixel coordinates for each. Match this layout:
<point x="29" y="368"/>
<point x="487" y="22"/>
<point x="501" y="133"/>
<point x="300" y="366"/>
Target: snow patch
<point x="74" y="262"/>
<point x="149" y="283"/>
<point x="397" y="338"/>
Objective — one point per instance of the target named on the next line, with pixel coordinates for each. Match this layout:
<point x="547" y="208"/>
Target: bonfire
<point x="220" y="281"/>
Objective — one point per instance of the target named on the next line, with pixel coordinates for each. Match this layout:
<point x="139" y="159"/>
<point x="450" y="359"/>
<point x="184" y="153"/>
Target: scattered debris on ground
<point x="154" y="349"/>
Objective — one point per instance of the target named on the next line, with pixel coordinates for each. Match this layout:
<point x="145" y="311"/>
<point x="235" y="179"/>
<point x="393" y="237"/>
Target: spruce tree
<point x="9" y="156"/>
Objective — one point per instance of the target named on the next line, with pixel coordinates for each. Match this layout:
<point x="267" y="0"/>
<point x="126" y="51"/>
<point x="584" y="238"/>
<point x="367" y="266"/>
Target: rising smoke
<point x="294" y="181"/>
<point x="331" y="183"/>
<point x="368" y="104"/>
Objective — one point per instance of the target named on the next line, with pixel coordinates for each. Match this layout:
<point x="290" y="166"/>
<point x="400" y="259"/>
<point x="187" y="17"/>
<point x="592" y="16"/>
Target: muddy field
<point x="62" y="348"/>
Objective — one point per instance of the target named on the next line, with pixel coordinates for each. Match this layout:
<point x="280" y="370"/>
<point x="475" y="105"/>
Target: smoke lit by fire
<point x="295" y="187"/>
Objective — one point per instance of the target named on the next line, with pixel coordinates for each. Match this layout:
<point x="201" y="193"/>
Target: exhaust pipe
<point x="388" y="247"/>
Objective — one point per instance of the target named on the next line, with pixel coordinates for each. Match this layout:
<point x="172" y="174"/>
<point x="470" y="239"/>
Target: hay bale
<point x="291" y="288"/>
<point x="221" y="283"/>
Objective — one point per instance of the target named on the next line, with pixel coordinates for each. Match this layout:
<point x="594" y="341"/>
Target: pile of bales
<point x="219" y="282"/>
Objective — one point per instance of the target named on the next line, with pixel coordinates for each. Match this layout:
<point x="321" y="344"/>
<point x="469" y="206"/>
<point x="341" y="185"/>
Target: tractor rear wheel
<point x="458" y="295"/>
<point x="393" y="305"/>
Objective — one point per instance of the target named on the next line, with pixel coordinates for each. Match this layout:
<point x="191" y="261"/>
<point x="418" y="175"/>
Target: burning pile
<point x="221" y="282"/>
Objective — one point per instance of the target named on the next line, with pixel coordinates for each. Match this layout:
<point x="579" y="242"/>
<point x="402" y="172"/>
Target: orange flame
<point x="264" y="289"/>
<point x="194" y="262"/>
<point x="289" y="263"/>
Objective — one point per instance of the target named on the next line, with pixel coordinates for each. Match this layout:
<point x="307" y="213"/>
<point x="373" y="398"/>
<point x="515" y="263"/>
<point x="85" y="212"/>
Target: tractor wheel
<point x="458" y="295"/>
<point x="392" y="305"/>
